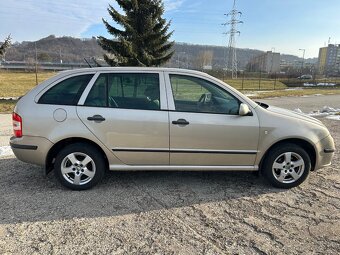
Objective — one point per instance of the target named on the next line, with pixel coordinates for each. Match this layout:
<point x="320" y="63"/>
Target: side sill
<point x="182" y="168"/>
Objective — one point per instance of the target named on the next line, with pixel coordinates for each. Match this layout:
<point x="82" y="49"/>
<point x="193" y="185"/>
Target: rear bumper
<point x="31" y="149"/>
<point x="325" y="152"/>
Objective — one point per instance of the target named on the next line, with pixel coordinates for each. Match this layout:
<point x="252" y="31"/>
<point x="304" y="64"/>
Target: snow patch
<point x="251" y="94"/>
<point x="9" y="98"/>
<point x="326" y="111"/>
<point x="333" y="117"/>
<point x="6" y="151"/>
<point x="296" y="88"/>
<point x="298" y="110"/>
<point x="320" y="84"/>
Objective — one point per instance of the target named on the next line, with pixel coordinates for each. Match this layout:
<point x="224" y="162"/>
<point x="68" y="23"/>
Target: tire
<point x="286" y="166"/>
<point x="79" y="166"/>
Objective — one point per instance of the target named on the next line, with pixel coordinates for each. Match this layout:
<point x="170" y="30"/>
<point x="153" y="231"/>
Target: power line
<point x="232" y="57"/>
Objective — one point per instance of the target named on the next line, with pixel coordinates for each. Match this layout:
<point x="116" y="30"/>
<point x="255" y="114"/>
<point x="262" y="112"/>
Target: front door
<point x="124" y="111"/>
<point x="205" y="127"/>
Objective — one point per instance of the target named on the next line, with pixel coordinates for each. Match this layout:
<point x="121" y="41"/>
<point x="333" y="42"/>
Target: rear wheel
<point x="79" y="166"/>
<point x="286" y="166"/>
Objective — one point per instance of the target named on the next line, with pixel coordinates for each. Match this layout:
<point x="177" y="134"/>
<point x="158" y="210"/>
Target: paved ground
<point x="171" y="213"/>
<point x="5" y="128"/>
<point x="306" y="103"/>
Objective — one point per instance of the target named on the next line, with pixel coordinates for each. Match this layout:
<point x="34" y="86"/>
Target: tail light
<point x="17" y="125"/>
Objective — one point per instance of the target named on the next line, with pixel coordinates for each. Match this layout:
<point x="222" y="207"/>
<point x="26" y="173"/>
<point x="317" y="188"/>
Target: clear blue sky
<point x="285" y="25"/>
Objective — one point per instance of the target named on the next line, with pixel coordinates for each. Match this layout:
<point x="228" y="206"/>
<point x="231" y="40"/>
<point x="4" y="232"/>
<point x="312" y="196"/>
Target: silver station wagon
<point x="82" y="122"/>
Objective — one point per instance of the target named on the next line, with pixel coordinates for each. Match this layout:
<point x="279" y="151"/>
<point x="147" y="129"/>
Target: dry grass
<point x="255" y="84"/>
<point x="7" y="106"/>
<point x="15" y="84"/>
<point x="290" y="93"/>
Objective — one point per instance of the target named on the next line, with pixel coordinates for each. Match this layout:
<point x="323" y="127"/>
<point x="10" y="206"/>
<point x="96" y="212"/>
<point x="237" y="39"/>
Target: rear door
<point x="205" y="127"/>
<point x="127" y="113"/>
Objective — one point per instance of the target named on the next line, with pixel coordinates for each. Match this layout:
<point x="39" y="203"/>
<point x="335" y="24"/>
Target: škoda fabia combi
<point x="81" y="122"/>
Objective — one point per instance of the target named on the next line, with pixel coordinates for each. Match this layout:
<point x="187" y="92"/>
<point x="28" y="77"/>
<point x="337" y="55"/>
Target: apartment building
<point x="329" y="60"/>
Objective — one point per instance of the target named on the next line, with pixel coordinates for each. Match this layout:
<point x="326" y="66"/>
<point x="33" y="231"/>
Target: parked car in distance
<point x="305" y="77"/>
<point x="83" y="122"/>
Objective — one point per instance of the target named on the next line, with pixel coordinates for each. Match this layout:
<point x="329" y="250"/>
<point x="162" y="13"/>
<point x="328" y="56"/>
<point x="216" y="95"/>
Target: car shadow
<point x="27" y="196"/>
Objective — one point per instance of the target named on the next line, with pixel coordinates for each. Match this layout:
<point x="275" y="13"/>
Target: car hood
<point x="293" y="114"/>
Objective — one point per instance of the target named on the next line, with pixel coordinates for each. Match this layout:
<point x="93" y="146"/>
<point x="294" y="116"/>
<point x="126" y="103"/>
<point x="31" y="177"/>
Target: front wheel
<point x="286" y="166"/>
<point x="79" y="166"/>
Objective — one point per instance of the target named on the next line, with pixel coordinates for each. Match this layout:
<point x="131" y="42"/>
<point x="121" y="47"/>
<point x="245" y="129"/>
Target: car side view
<point x="82" y="122"/>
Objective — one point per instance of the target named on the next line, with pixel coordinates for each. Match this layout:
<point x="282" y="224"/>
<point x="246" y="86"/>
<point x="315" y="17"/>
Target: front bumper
<point x="325" y="149"/>
<point x="31" y="149"/>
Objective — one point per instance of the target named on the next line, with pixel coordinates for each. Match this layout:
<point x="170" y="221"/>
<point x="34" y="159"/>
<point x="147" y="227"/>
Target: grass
<point x="292" y="93"/>
<point x="7" y="106"/>
<point x="15" y="84"/>
<point x="255" y="84"/>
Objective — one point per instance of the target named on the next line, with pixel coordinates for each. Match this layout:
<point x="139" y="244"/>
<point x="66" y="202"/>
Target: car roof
<point x="132" y="69"/>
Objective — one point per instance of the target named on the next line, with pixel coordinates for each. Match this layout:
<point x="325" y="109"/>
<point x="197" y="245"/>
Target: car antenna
<point x="96" y="62"/>
<point x="87" y="62"/>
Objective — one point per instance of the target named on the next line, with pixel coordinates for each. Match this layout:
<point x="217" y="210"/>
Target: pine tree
<point x="143" y="39"/>
<point x="5" y="45"/>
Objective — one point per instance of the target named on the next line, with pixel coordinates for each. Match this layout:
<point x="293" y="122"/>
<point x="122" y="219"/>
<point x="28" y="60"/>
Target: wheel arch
<point x="52" y="153"/>
<point x="307" y="146"/>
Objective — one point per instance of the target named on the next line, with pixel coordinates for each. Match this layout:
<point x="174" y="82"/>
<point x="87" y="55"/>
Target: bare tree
<point x="5" y="46"/>
<point x="204" y="59"/>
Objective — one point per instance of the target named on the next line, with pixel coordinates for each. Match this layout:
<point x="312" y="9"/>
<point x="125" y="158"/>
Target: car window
<point x="98" y="93"/>
<point x="66" y="92"/>
<point x="128" y="91"/>
<point x="193" y="94"/>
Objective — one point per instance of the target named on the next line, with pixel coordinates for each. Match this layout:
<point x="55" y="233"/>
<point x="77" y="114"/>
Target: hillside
<point x="54" y="49"/>
<point x="74" y="50"/>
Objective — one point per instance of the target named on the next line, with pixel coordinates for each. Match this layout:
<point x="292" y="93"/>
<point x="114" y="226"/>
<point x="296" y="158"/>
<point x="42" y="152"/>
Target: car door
<point x="125" y="112"/>
<point x="205" y="127"/>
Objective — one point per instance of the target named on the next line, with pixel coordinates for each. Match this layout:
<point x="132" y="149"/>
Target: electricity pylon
<point x="232" y="56"/>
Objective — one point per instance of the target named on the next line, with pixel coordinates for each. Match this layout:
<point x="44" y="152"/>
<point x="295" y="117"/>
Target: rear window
<point x="138" y="91"/>
<point x="66" y="92"/>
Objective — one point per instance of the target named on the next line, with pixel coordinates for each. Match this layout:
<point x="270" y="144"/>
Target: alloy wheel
<point x="78" y="168"/>
<point x="288" y="167"/>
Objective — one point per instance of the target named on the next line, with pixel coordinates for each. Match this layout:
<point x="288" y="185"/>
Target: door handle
<point x="96" y="118"/>
<point x="180" y="122"/>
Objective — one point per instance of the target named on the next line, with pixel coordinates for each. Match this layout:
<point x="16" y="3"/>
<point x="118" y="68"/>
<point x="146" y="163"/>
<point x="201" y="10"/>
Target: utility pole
<point x="61" y="61"/>
<point x="303" y="59"/>
<point x="232" y="57"/>
<point x="36" y="64"/>
<point x="272" y="58"/>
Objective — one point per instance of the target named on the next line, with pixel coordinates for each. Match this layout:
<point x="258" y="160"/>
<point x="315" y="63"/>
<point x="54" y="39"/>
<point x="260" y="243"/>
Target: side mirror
<point x="244" y="110"/>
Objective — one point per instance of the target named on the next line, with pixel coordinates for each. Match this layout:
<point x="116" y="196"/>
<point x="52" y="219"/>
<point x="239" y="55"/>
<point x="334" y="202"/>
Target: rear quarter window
<point x="66" y="92"/>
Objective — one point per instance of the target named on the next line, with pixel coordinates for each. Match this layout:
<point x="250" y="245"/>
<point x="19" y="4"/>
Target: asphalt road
<point x="306" y="104"/>
<point x="171" y="212"/>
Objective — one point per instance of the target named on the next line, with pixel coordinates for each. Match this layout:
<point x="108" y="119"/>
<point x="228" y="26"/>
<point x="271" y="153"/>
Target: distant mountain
<point x="55" y="49"/>
<point x="74" y="50"/>
<point x="192" y="52"/>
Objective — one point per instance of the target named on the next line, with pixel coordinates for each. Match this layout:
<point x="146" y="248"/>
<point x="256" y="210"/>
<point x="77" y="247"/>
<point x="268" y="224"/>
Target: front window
<point x="193" y="94"/>
<point x="128" y="91"/>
